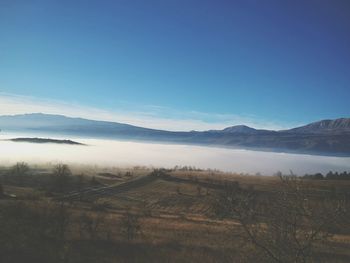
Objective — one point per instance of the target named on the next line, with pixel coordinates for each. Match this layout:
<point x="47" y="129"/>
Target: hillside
<point x="337" y="126"/>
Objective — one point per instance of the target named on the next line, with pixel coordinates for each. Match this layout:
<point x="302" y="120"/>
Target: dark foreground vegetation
<point x="63" y="214"/>
<point x="329" y="176"/>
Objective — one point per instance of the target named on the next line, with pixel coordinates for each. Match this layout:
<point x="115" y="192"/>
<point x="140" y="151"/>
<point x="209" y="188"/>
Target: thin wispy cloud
<point x="150" y="116"/>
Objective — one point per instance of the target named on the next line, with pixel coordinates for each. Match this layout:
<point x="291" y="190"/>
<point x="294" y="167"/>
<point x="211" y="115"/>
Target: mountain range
<point x="326" y="137"/>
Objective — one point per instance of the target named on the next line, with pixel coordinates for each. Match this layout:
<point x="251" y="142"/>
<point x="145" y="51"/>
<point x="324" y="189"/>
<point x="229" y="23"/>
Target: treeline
<point x="329" y="176"/>
<point x="59" y="180"/>
<point x="193" y="169"/>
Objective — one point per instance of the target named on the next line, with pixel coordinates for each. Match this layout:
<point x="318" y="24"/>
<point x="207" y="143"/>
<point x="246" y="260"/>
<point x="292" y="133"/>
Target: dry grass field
<point x="139" y="215"/>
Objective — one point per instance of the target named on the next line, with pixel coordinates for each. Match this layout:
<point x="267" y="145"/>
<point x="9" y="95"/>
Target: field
<point x="92" y="214"/>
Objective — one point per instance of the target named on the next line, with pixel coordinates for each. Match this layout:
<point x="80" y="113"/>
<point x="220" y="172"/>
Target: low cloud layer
<point x="123" y="153"/>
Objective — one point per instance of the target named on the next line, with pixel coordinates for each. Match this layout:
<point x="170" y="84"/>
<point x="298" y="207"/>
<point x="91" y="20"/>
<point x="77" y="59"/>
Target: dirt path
<point x="96" y="192"/>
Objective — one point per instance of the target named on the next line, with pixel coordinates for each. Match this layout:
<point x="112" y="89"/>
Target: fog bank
<point x="124" y="153"/>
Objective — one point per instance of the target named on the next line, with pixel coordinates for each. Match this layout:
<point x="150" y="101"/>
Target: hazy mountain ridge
<point x="329" y="137"/>
<point x="242" y="129"/>
<point x="341" y="125"/>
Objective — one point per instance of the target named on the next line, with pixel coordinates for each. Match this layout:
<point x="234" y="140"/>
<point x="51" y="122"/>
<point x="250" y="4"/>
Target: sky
<point x="177" y="65"/>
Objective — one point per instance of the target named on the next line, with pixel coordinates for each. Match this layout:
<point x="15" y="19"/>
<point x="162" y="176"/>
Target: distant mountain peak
<point x="239" y="128"/>
<point x="325" y="126"/>
<point x="245" y="130"/>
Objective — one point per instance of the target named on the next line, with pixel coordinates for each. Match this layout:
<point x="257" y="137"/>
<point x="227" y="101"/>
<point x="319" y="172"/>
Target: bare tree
<point x="1" y="190"/>
<point x="130" y="225"/>
<point x="91" y="224"/>
<point x="285" y="225"/>
<point x="61" y="174"/>
<point x="60" y="219"/>
<point x="20" y="170"/>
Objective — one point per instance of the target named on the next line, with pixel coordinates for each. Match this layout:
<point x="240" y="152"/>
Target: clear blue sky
<point x="283" y="61"/>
